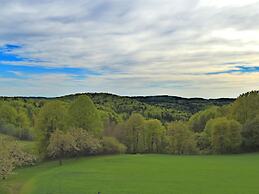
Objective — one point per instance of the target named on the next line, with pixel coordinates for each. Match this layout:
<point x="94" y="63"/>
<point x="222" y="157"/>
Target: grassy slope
<point x="28" y="146"/>
<point x="13" y="185"/>
<point x="141" y="174"/>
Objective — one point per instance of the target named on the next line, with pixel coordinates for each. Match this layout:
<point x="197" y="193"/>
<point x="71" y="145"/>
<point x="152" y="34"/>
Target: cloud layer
<point x="206" y="48"/>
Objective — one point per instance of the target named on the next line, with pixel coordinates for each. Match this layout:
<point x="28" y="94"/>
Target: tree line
<point x="70" y="128"/>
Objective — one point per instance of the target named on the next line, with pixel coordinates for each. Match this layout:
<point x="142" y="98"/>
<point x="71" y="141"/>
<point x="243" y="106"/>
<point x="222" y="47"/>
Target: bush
<point x="13" y="156"/>
<point x="85" y="142"/>
<point x="112" y="146"/>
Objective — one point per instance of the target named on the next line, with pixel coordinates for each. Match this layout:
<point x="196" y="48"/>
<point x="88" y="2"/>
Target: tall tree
<point x="23" y="124"/>
<point x="51" y="117"/>
<point x="198" y="121"/>
<point x="225" y="135"/>
<point x="133" y="129"/>
<point x="181" y="140"/>
<point x="246" y="107"/>
<point x="83" y="114"/>
<point x="8" y="114"/>
<point x="153" y="136"/>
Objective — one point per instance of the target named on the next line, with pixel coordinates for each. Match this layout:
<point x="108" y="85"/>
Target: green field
<point x="140" y="174"/>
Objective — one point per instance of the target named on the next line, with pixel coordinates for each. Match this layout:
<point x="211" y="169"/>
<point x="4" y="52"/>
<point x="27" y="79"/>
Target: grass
<point x="140" y="174"/>
<point x="28" y="146"/>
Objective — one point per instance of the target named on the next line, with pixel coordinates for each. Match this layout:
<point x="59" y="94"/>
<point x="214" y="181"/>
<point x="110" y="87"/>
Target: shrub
<point x="112" y="146"/>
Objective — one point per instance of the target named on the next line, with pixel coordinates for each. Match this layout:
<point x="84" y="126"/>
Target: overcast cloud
<point x="206" y="48"/>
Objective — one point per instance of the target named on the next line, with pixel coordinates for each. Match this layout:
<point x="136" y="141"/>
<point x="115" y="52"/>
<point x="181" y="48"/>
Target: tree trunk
<point x="60" y="162"/>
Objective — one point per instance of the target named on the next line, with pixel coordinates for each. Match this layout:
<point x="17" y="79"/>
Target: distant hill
<point x="164" y="108"/>
<point x="179" y="104"/>
<point x="191" y="105"/>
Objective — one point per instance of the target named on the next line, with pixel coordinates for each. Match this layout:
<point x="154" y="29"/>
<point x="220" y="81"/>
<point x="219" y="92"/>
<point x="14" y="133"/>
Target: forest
<point x="99" y="124"/>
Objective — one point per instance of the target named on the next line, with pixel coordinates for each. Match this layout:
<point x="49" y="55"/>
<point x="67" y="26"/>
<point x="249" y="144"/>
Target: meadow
<point x="140" y="174"/>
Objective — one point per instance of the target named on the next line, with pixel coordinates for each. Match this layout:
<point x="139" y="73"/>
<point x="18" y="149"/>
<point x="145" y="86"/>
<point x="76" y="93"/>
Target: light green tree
<point x="181" y="140"/>
<point x="153" y="136"/>
<point x="83" y="114"/>
<point x="134" y="127"/>
<point x="51" y="117"/>
<point x="246" y="107"/>
<point x="198" y="121"/>
<point x="8" y="114"/>
<point x="225" y="135"/>
<point x="23" y="125"/>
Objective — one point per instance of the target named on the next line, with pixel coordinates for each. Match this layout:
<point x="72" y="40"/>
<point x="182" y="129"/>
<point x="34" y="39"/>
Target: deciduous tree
<point x="60" y="144"/>
<point x="52" y="116"/>
<point x="225" y="135"/>
<point x="250" y="134"/>
<point x="83" y="114"/>
<point x="181" y="140"/>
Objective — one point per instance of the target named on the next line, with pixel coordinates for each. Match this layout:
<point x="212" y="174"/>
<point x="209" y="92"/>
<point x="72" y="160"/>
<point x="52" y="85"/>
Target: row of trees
<point x="70" y="129"/>
<point x="151" y="136"/>
<point x="228" y="129"/>
<point x="74" y="129"/>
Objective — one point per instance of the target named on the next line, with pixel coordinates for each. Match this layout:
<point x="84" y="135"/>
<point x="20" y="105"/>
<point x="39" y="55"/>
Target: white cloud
<point x="139" y="47"/>
<point x="226" y="3"/>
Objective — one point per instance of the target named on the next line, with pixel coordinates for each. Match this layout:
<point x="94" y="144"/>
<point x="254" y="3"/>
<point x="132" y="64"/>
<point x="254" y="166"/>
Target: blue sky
<point x="23" y="71"/>
<point x="191" y="48"/>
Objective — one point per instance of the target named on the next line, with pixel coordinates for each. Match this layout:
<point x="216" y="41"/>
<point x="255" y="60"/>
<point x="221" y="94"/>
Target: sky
<point x="189" y="48"/>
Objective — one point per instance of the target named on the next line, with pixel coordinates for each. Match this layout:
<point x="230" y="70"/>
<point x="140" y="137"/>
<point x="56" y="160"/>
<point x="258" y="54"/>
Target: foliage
<point x="198" y="121"/>
<point x="12" y="156"/>
<point x="153" y="136"/>
<point x="83" y="114"/>
<point x="132" y="132"/>
<point x="112" y="146"/>
<point x="7" y="162"/>
<point x="180" y="139"/>
<point x="8" y="114"/>
<point x="15" y="122"/>
<point x="140" y="123"/>
<point x="203" y="142"/>
<point x="246" y="107"/>
<point x="51" y="117"/>
<point x="86" y="143"/>
<point x="125" y="106"/>
<point x="188" y="105"/>
<point x="250" y="134"/>
<point x="60" y="144"/>
<point x="225" y="135"/>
